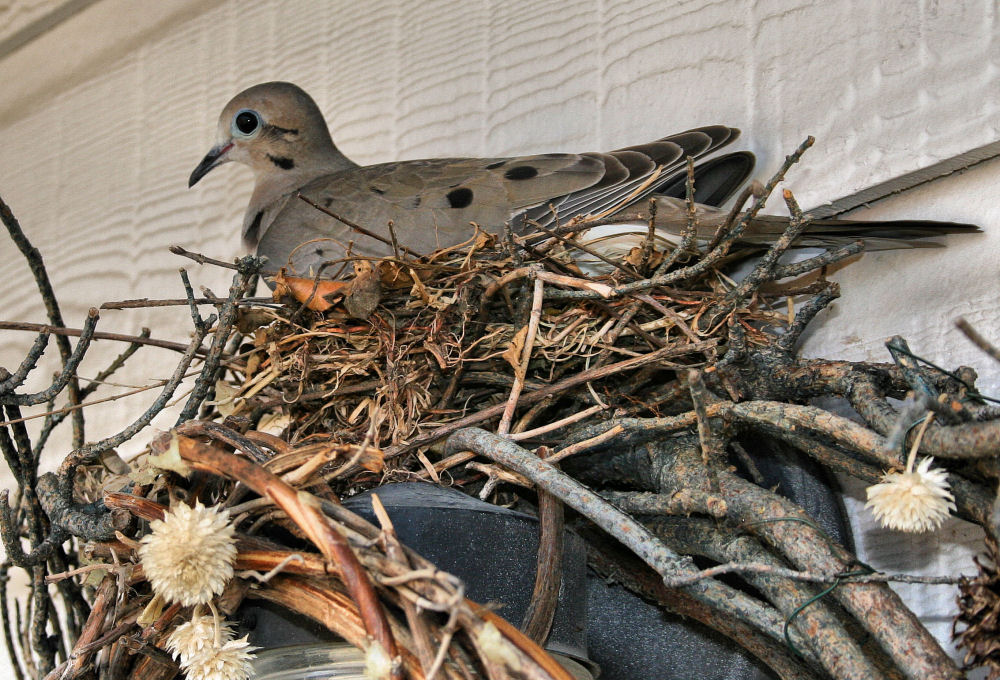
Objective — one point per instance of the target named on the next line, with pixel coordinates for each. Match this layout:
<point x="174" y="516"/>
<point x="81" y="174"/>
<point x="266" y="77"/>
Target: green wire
<point x="972" y="391"/>
<point x="814" y="598"/>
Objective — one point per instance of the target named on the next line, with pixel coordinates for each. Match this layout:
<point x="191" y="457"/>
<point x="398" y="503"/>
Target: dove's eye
<point x="246" y="123"/>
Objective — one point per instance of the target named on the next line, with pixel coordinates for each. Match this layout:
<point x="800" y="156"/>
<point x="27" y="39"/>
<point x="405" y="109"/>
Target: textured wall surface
<point x="105" y="115"/>
<point x="17" y="15"/>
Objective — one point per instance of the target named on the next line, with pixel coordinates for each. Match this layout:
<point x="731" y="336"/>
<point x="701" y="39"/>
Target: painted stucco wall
<point x="105" y="113"/>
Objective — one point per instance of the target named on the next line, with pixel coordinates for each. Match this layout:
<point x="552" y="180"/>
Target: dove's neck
<point x="273" y="182"/>
<point x="280" y="175"/>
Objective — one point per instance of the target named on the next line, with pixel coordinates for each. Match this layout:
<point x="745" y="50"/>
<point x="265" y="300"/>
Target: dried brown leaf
<point x="322" y="295"/>
<point x="516" y="347"/>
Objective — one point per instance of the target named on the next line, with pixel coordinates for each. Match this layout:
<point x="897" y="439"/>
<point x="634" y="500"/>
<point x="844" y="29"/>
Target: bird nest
<point x="630" y="401"/>
<point x="482" y="335"/>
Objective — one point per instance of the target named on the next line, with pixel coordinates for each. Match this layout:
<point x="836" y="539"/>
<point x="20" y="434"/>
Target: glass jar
<point x="341" y="661"/>
<point x="325" y="661"/>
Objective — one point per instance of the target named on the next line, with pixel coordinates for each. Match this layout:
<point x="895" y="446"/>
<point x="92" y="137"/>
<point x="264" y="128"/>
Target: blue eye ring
<point x="246" y="123"/>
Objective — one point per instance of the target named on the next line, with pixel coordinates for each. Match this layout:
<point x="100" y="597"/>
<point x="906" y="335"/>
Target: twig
<point x="576" y="243"/>
<point x="37" y="267"/>
<point x="586" y="444"/>
<point x="601" y="289"/>
<point x="67" y="374"/>
<point x="418" y="627"/>
<point x="825" y="258"/>
<point x="356" y="227"/>
<point x="303" y="509"/>
<point x="145" y="303"/>
<point x="521" y="370"/>
<point x="248" y="268"/>
<point x="623" y="528"/>
<point x="977" y="339"/>
<point x="806" y="314"/>
<point x="84" y="454"/>
<point x="715" y="255"/>
<point x="563" y="385"/>
<point x="901" y="354"/>
<point x="91" y="522"/>
<point x="12" y="656"/>
<point x="875" y="606"/>
<point x="556" y="425"/>
<point x="713" y="448"/>
<point x="200" y="259"/>
<point x="98" y="335"/>
<point x="541" y="610"/>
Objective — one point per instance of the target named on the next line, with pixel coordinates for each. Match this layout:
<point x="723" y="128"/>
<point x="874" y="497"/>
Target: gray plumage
<point x="277" y="130"/>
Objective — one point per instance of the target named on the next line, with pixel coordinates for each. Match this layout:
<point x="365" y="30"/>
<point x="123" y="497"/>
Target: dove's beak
<point x="217" y="156"/>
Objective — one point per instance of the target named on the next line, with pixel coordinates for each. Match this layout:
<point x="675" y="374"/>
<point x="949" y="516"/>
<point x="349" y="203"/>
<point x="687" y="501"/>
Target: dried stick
<point x="556" y="424"/>
<point x="575" y="243"/>
<point x="556" y="388"/>
<point x="8" y="639"/>
<point x="899" y="633"/>
<point x="830" y="256"/>
<point x="303" y="509"/>
<point x="98" y="335"/>
<point x="146" y="303"/>
<point x="630" y="533"/>
<point x="67" y="374"/>
<point x="11" y="381"/>
<point x="521" y="370"/>
<point x="248" y="268"/>
<point x="977" y="339"/>
<point x="763" y="270"/>
<point x="103" y="602"/>
<point x="85" y="454"/>
<point x="358" y="228"/>
<point x="840" y="654"/>
<point x="638" y="578"/>
<point x="548" y="572"/>
<point x="714" y="256"/>
<point x="416" y="624"/>
<point x="200" y="259"/>
<point x="37" y="267"/>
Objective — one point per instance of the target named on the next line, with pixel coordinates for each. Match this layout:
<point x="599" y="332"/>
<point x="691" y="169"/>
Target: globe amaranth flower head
<point x="231" y="661"/>
<point x="192" y="638"/>
<point x="914" y="500"/>
<point x="188" y="555"/>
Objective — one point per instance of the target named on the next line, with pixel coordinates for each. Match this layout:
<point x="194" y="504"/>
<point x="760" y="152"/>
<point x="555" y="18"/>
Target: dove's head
<point x="277" y="130"/>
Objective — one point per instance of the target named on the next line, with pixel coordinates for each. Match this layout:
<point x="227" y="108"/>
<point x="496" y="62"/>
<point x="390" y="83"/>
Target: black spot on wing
<point x="377" y="190"/>
<point x="460" y="198"/>
<point x="494" y="166"/>
<point x="328" y="201"/>
<point x="415" y="201"/>
<point x="282" y="162"/>
<point x="521" y="172"/>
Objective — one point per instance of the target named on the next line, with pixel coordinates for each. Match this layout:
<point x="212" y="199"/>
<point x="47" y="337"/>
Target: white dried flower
<point x="231" y="661"/>
<point x="378" y="665"/>
<point x="497" y="648"/>
<point x="188" y="556"/>
<point x="196" y="636"/>
<point x="914" y="501"/>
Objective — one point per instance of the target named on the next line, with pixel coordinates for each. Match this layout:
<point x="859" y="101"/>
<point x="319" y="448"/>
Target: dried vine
<point x="631" y="398"/>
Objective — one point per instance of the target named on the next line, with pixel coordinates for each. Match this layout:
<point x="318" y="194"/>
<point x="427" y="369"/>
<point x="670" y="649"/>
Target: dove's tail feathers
<point x="887" y="235"/>
<point x="715" y="180"/>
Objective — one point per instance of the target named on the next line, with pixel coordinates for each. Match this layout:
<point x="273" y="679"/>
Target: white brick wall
<point x="104" y="116"/>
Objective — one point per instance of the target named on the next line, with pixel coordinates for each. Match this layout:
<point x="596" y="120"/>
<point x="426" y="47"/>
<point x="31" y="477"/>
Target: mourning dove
<point x="279" y="131"/>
